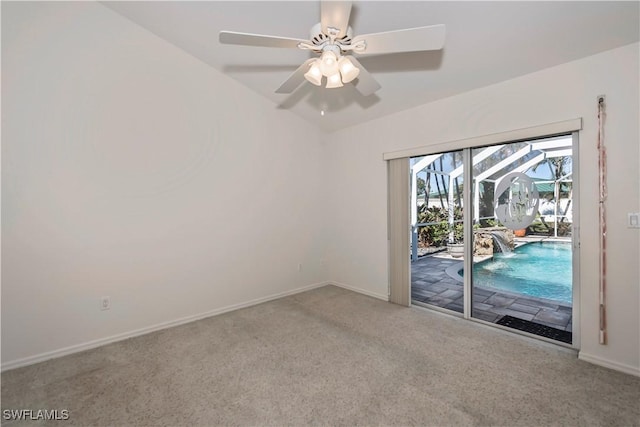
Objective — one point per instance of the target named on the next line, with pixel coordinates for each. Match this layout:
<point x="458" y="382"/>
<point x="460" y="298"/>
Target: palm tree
<point x="455" y="157"/>
<point x="438" y="186"/>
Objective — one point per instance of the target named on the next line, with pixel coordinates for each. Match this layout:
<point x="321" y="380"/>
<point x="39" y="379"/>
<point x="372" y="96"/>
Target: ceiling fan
<point x="333" y="39"/>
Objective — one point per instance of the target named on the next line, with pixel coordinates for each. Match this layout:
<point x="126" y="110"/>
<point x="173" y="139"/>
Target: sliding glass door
<point x="522" y="219"/>
<point x="437" y="253"/>
<point x="514" y="268"/>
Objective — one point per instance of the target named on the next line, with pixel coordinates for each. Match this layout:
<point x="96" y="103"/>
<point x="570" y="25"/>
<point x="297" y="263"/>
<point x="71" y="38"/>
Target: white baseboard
<point x="30" y="360"/>
<point x="360" y="290"/>
<point x="631" y="370"/>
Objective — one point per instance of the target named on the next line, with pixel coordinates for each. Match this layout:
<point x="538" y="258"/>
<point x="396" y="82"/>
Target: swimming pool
<point x="541" y="269"/>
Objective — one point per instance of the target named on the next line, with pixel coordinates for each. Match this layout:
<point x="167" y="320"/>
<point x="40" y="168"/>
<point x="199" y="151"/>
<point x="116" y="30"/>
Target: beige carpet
<point x="327" y="357"/>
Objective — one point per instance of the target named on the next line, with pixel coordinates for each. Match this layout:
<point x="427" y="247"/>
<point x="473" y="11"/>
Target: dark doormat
<point x="535" y="328"/>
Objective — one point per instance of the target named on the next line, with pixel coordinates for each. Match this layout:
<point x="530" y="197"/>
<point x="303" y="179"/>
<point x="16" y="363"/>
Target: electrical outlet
<point x="299" y="267"/>
<point x="634" y="220"/>
<point x="105" y="303"/>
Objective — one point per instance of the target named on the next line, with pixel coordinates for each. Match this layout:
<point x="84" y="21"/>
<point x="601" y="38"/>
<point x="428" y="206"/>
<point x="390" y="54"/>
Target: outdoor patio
<point x="435" y="281"/>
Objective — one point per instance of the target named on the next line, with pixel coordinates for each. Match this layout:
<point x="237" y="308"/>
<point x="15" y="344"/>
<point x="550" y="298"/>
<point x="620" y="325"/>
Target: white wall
<point x="357" y="252"/>
<point x="132" y="170"/>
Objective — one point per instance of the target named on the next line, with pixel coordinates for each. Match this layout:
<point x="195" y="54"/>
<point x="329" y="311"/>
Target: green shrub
<point x="437" y="234"/>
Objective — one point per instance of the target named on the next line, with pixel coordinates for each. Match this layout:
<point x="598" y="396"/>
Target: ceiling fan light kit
<point x="333" y="39"/>
<point x="337" y="71"/>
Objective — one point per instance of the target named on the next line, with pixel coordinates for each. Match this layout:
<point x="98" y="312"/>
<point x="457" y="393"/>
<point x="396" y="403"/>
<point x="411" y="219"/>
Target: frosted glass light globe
<point x="314" y="75"/>
<point x="328" y="63"/>
<point x="347" y="69"/>
<point x="334" y="81"/>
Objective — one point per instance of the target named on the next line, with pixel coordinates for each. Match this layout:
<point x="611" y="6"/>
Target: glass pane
<point x="522" y="213"/>
<point x="437" y="237"/>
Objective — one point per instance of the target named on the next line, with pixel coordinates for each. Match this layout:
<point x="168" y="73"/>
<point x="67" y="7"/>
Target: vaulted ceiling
<point x="486" y="42"/>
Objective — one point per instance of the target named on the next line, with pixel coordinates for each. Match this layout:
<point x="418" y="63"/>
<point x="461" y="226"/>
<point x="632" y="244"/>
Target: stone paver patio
<point x="435" y="281"/>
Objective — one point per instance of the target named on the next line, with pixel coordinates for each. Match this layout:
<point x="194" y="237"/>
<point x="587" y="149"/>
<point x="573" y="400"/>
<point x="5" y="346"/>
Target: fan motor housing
<point x="317" y="37"/>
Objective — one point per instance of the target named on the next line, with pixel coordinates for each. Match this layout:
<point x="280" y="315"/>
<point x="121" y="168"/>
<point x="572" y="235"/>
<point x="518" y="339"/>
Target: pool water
<point x="540" y="270"/>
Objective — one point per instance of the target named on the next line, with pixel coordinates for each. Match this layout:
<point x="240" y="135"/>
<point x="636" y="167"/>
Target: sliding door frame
<point x="575" y="240"/>
<point x="398" y="284"/>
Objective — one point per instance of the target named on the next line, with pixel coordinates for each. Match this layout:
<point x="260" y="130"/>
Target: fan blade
<point x="335" y="14"/>
<point x="296" y="78"/>
<point x="246" y="39"/>
<point x="409" y="40"/>
<point x="365" y="83"/>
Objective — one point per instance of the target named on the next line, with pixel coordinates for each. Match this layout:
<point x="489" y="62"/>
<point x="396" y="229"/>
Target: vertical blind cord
<point x="602" y="163"/>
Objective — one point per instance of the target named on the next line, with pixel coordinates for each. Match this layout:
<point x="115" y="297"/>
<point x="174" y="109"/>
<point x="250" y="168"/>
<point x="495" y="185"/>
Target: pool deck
<point x="434" y="281"/>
